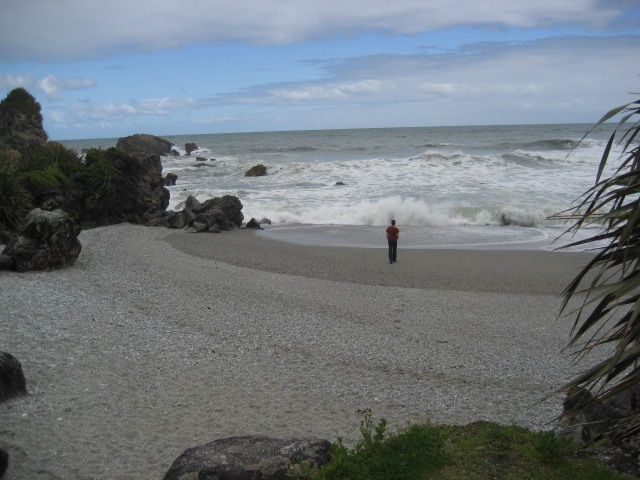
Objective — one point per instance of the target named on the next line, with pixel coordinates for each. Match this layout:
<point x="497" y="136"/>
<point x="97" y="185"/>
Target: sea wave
<point x="414" y="212"/>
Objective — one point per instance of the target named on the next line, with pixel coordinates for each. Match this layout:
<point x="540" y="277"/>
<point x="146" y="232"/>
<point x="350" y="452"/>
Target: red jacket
<point x="392" y="232"/>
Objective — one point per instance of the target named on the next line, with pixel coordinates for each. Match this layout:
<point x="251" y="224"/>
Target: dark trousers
<point x="393" y="250"/>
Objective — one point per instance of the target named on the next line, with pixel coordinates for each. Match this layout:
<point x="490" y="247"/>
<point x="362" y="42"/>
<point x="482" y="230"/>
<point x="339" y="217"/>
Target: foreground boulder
<point x="46" y="241"/>
<point x="213" y="215"/>
<point x="248" y="458"/>
<point x="12" y="381"/>
<point x="144" y="145"/>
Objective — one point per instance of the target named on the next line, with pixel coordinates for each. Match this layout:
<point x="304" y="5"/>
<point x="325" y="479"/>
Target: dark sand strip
<point x="529" y="272"/>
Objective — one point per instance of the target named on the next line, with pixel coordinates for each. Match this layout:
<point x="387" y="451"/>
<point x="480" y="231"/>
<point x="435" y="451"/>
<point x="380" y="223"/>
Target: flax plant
<point x="608" y="287"/>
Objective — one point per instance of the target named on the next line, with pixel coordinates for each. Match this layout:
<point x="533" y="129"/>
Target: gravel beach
<point x="157" y="340"/>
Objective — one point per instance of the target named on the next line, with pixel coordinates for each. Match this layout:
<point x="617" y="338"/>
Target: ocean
<point x="457" y="187"/>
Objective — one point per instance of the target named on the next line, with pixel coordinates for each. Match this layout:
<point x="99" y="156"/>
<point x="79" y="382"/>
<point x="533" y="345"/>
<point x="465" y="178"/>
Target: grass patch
<point x="479" y="451"/>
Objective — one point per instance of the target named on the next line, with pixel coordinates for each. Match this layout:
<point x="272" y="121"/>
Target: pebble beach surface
<point x="157" y="340"/>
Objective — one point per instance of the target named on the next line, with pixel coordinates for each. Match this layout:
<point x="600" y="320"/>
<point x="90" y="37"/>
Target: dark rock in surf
<point x="264" y="221"/>
<point x="46" y="241"/>
<point x="190" y="147"/>
<point x="12" y="381"/>
<point x="201" y="159"/>
<point x="248" y="458"/>
<point x="340" y="184"/>
<point x="253" y="224"/>
<point x="256" y="171"/>
<point x="170" y="179"/>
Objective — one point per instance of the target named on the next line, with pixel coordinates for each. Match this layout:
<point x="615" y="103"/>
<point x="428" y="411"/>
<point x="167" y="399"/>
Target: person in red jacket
<point x="392" y="238"/>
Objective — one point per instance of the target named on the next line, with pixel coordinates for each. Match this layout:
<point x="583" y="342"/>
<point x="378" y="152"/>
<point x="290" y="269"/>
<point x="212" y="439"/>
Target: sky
<point x="106" y="69"/>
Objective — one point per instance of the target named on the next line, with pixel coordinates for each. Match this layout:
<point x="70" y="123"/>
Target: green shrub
<point x="15" y="198"/>
<point x="103" y="175"/>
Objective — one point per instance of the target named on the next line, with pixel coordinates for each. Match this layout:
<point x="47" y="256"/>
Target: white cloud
<point x="86" y="114"/>
<point x="50" y="85"/>
<point x="76" y="29"/>
<point x="577" y="67"/>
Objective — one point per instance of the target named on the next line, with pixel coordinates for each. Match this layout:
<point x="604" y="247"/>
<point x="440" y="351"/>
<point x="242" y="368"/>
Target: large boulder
<point x="144" y="145"/>
<point x="12" y="381"/>
<point x="213" y="215"/>
<point x="248" y="458"/>
<point x="47" y="240"/>
<point x="21" y="121"/>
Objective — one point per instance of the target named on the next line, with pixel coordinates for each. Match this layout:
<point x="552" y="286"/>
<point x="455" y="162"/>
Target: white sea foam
<point x="430" y="177"/>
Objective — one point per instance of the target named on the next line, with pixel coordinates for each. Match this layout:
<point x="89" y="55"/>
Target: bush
<point x="15" y="198"/>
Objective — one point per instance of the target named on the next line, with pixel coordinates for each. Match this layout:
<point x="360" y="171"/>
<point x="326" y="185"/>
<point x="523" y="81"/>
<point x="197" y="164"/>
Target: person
<point x="392" y="238"/>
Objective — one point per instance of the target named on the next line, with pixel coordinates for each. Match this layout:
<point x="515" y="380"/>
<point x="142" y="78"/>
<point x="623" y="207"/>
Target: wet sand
<point x="158" y="340"/>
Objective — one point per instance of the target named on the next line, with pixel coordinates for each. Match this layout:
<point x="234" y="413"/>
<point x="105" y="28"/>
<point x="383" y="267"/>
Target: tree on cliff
<point x="608" y="287"/>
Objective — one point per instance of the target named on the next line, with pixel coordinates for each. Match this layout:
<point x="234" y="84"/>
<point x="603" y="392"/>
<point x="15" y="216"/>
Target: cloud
<point x="50" y="85"/>
<point x="87" y="114"/>
<point x="48" y="30"/>
<point x="523" y="73"/>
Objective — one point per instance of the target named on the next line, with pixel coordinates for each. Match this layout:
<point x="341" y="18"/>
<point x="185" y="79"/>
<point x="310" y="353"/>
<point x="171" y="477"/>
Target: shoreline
<point x="159" y="340"/>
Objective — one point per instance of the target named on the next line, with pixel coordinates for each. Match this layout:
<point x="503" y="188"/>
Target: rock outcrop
<point x="12" y="381"/>
<point x="256" y="171"/>
<point x="48" y="240"/>
<point x="21" y="121"/>
<point x="144" y="145"/>
<point x="138" y="193"/>
<point x="248" y="458"/>
<point x="213" y="215"/>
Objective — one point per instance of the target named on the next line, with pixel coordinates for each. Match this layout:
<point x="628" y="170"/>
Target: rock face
<point x="46" y="241"/>
<point x="12" y="382"/>
<point x="21" y="121"/>
<point x="144" y="145"/>
<point x="248" y="458"/>
<point x="213" y="215"/>
<point x="139" y="194"/>
<point x="256" y="171"/>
